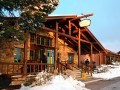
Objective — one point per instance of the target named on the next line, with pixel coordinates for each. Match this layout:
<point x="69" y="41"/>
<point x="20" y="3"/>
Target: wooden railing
<point x="38" y="67"/>
<point x="11" y="68"/>
<point x="83" y="67"/>
<point x="70" y="65"/>
<point x="17" y="68"/>
<point x="61" y="67"/>
<point x="86" y="68"/>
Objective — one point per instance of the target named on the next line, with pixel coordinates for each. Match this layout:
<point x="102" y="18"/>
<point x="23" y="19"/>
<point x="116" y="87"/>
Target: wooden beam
<point x="69" y="27"/>
<point x="64" y="19"/>
<point x="69" y="42"/>
<point x="60" y="17"/>
<point x="83" y="16"/>
<point x="82" y="40"/>
<point x="74" y="25"/>
<point x="75" y="31"/>
<point x="85" y="50"/>
<point x="89" y="40"/>
<point x="74" y="41"/>
<point x="63" y="34"/>
<point x="63" y="30"/>
<point x="83" y="30"/>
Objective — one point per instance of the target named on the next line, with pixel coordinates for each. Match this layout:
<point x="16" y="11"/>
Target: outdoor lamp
<point x="85" y="22"/>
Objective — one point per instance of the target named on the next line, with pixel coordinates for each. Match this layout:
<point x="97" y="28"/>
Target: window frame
<point x="33" y="57"/>
<point x="72" y="60"/>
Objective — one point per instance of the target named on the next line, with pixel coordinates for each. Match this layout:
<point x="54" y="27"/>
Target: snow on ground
<point x="59" y="83"/>
<point x="112" y="72"/>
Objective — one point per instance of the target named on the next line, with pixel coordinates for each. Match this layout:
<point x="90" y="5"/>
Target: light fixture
<point x="85" y="22"/>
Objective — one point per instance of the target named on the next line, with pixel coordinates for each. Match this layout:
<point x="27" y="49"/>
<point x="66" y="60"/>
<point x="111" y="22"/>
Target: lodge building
<point x="63" y="41"/>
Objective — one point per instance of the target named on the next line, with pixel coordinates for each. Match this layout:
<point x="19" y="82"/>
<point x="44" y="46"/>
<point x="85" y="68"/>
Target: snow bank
<point x="59" y="83"/>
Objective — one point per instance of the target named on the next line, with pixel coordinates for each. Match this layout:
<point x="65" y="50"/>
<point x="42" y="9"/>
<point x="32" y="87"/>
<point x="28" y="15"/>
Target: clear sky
<point x="105" y="23"/>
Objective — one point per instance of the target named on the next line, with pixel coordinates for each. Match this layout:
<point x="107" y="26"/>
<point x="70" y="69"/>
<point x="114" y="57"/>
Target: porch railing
<point x="86" y="68"/>
<point x="11" y="68"/>
<point x="38" y="67"/>
<point x="83" y="67"/>
<point x="17" y="68"/>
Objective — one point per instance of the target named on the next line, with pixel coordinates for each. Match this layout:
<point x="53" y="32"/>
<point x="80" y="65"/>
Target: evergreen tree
<point x="30" y="15"/>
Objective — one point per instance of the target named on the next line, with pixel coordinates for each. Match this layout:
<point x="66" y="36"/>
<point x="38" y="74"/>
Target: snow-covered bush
<point x="40" y="79"/>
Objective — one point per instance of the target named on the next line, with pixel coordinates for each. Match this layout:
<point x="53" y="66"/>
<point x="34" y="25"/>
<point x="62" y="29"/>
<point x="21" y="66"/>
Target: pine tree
<point x="32" y="13"/>
<point x="28" y="14"/>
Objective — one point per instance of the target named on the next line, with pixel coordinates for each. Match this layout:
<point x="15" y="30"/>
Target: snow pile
<point x="111" y="72"/>
<point x="39" y="79"/>
<point x="59" y="83"/>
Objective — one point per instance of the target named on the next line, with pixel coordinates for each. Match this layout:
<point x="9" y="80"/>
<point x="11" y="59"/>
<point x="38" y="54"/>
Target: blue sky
<point x="105" y="23"/>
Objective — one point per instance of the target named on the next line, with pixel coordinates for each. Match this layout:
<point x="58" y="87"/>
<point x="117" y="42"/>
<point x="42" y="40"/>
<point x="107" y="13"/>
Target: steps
<point x="17" y="80"/>
<point x="76" y="74"/>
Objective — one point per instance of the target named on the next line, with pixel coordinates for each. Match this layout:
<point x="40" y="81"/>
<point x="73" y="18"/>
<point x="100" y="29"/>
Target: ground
<point x="113" y="84"/>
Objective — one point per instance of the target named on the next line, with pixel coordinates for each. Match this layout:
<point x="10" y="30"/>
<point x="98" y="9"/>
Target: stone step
<point x="78" y="75"/>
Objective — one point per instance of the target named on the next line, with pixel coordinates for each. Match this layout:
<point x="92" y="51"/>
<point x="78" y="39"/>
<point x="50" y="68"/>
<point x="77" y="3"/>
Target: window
<point x="17" y="55"/>
<point x="32" y="38"/>
<point x="47" y="41"/>
<point x="70" y="57"/>
<point x="32" y="54"/>
<point x="38" y="40"/>
<point x="44" y="41"/>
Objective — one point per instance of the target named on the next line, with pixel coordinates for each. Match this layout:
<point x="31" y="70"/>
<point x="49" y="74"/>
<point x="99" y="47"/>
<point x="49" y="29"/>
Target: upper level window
<point x="44" y="41"/>
<point x="47" y="41"/>
<point x="32" y="38"/>
<point x="38" y="40"/>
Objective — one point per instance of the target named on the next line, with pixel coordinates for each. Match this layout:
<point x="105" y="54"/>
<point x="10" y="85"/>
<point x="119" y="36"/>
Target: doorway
<point x="49" y="53"/>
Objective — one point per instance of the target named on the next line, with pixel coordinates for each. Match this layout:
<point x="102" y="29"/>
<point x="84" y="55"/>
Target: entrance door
<point x="50" y="56"/>
<point x="50" y="60"/>
<point x="40" y="54"/>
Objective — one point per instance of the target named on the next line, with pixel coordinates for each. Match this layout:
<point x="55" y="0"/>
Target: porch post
<point x="56" y="45"/>
<point x="79" y="47"/>
<point x="91" y="58"/>
<point x="26" y="52"/>
<point x="99" y="58"/>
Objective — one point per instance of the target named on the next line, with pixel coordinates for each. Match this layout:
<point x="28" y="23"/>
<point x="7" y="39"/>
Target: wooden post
<point x="91" y="58"/>
<point x="79" y="48"/>
<point x="56" y="45"/>
<point x="69" y="27"/>
<point x="26" y="52"/>
<point x="99" y="58"/>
